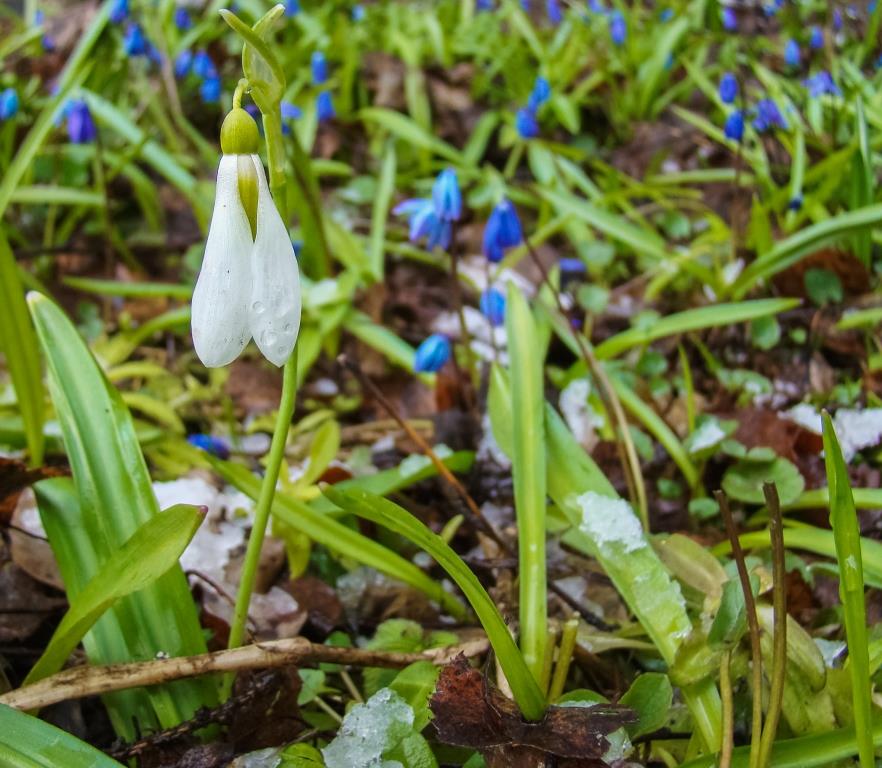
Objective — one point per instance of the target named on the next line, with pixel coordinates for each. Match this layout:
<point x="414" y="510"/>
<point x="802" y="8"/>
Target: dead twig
<point x="79" y="682"/>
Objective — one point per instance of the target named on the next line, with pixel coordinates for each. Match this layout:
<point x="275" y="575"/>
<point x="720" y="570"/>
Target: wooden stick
<point x="79" y="682"/>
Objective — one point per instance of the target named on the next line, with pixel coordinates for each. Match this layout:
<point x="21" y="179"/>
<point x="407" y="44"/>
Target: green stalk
<point x="275" y="159"/>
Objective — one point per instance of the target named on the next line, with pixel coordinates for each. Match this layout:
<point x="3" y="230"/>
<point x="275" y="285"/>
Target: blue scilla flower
<point x="734" y="126"/>
<point x="8" y="103"/>
<point x="432" y="354"/>
<point x="80" y="125"/>
<point x="768" y="116"/>
<point x="492" y="305"/>
<point x="47" y="41"/>
<point x="184" y="63"/>
<point x="791" y="53"/>
<point x="134" y="42"/>
<point x="503" y="231"/>
<point x="423" y="222"/>
<point x="324" y="106"/>
<point x="837" y="20"/>
<point x="540" y="94"/>
<point x="484" y="5"/>
<point x="210" y="90"/>
<point x="182" y="18"/>
<point x="618" y="29"/>
<point x="319" y="67"/>
<point x="357" y="13"/>
<point x="771" y="9"/>
<point x="666" y="15"/>
<point x="525" y="123"/>
<point x="795" y="203"/>
<point x="119" y="11"/>
<point x="728" y="88"/>
<point x="816" y="38"/>
<point x="596" y="6"/>
<point x="292" y="7"/>
<point x="216" y="446"/>
<point x="821" y="84"/>
<point x="291" y="111"/>
<point x="570" y="267"/>
<point x="555" y="14"/>
<point x="203" y="66"/>
<point x="729" y="20"/>
<point x="446" y="196"/>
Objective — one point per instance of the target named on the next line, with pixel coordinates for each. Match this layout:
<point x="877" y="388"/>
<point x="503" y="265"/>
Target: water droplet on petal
<point x="258" y="307"/>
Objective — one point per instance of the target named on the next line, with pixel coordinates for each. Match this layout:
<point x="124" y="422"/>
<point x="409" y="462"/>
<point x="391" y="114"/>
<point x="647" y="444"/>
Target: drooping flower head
<point x="734" y="126"/>
<point x="728" y="88"/>
<point x="249" y="284"/>
<point x="525" y="123"/>
<point x="182" y="18"/>
<point x="423" y="222"/>
<point x="119" y="11"/>
<point x="768" y="116"/>
<point x="432" y="354"/>
<point x="80" y="125"/>
<point x="816" y="38"/>
<point x="446" y="196"/>
<point x="792" y="53"/>
<point x="216" y="446"/>
<point x="492" y="305"/>
<point x="319" y="68"/>
<point x="134" y="42"/>
<point x="503" y="231"/>
<point x="9" y="103"/>
<point x="618" y="28"/>
<point x="324" y="106"/>
<point x="821" y="84"/>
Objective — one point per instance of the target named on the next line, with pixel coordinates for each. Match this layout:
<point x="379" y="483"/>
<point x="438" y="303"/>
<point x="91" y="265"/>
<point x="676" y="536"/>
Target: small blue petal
<point x="80" y="125"/>
<point x="618" y="29"/>
<point x="134" y="42"/>
<point x="728" y="88"/>
<point x="291" y="111"/>
<point x="447" y="196"/>
<point x="182" y="19"/>
<point x="792" y="54"/>
<point x="292" y="8"/>
<point x="492" y="305"/>
<point x="816" y="39"/>
<point x="210" y="90"/>
<point x="734" y="127"/>
<point x="325" y="107"/>
<point x="119" y="11"/>
<point x="729" y="19"/>
<point x="525" y="123"/>
<point x="319" y="67"/>
<point x="9" y="103"/>
<point x="503" y="231"/>
<point x="432" y="354"/>
<point x="184" y="63"/>
<point x="210" y="444"/>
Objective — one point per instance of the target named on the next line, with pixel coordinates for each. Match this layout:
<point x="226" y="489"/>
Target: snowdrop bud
<point x="239" y="134"/>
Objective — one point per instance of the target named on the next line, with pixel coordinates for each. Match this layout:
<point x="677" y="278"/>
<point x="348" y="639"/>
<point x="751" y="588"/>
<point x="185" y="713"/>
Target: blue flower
<point x="768" y="116"/>
<point x="492" y="304"/>
<point x="48" y="42"/>
<point x="216" y="446"/>
<point x="837" y="19"/>
<point x="734" y="127"/>
<point x="572" y="266"/>
<point x="446" y="196"/>
<point x="820" y="84"/>
<point x="319" y="66"/>
<point x="618" y="29"/>
<point x="525" y="122"/>
<point x="292" y="7"/>
<point x="203" y="66"/>
<point x="324" y="106"/>
<point x="503" y="231"/>
<point x="424" y="222"/>
<point x="484" y="5"/>
<point x="183" y="63"/>
<point x="729" y="19"/>
<point x="134" y="42"/>
<point x="666" y="15"/>
<point x="432" y="354"/>
<point x="357" y="12"/>
<point x="182" y="19"/>
<point x="772" y="8"/>
<point x="596" y="6"/>
<point x="8" y="103"/>
<point x="791" y="53"/>
<point x="540" y="94"/>
<point x="816" y="39"/>
<point x="795" y="203"/>
<point x="728" y="88"/>
<point x="119" y="11"/>
<point x="210" y="90"/>
<point x="290" y="111"/>
<point x="80" y="125"/>
<point x="555" y="14"/>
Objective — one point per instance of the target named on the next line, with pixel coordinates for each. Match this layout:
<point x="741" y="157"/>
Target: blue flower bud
<point x="795" y="203"/>
<point x="325" y="107"/>
<point x="80" y="125"/>
<point x="618" y="29"/>
<point x="184" y="63"/>
<point x="292" y="8"/>
<point x="728" y="88"/>
<point x="432" y="354"/>
<point x="290" y="111"/>
<point x="729" y="20"/>
<point x="555" y="14"/>
<point x="134" y="42"/>
<point x="484" y="5"/>
<point x="503" y="231"/>
<point x="837" y="20"/>
<point x="540" y="94"/>
<point x="9" y="103"/>
<point x="525" y="123"/>
<point x="446" y="196"/>
<point x="492" y="304"/>
<point x="210" y="90"/>
<point x="816" y="39"/>
<point x="768" y="116"/>
<point x="319" y="65"/>
<point x="216" y="446"/>
<point x="182" y="19"/>
<point x="203" y="66"/>
<point x="358" y="13"/>
<point x="792" y="53"/>
<point x="821" y="84"/>
<point x="666" y="15"/>
<point x="119" y="11"/>
<point x="734" y="127"/>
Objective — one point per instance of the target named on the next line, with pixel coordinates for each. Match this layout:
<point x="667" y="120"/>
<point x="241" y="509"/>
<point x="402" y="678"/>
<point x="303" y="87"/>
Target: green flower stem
<point x="264" y="504"/>
<point x="275" y="159"/>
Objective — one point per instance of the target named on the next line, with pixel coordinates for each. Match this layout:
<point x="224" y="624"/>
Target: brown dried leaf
<point x="14" y="478"/>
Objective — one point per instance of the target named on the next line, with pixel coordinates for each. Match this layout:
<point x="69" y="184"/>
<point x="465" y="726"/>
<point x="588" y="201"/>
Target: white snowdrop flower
<point x="249" y="284"/>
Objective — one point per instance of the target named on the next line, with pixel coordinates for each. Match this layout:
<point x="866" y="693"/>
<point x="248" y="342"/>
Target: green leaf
<point x="380" y="213"/>
<point x="151" y="551"/>
<point x="383" y="512"/>
<point x="846" y="534"/>
<point x="650" y="696"/>
<point x="528" y="471"/>
<point x="405" y="128"/>
<point x="46" y="194"/>
<point x="27" y="742"/>
<point x="116" y="498"/>
<point x="823" y="286"/>
<point x="744" y="480"/>
<point x="416" y="684"/>
<point x="260" y="65"/>
<point x="19" y="344"/>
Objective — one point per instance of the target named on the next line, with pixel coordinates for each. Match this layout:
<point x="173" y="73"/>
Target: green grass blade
<point x="528" y="471"/>
<point x="383" y="512"/>
<point x="380" y="213"/>
<point x="151" y="551"/>
<point x="46" y="194"/>
<point x="19" y="344"/>
<point x="846" y="534"/>
<point x="129" y="290"/>
<point x="28" y="742"/>
<point x="116" y="498"/>
<point x="404" y="127"/>
<point x="864" y="498"/>
<point x="337" y="537"/>
<point x="698" y="319"/>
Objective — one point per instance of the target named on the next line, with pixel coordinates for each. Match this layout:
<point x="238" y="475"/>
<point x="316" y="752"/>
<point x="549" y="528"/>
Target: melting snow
<point x="856" y="429"/>
<point x="577" y="411"/>
<point x="610" y="521"/>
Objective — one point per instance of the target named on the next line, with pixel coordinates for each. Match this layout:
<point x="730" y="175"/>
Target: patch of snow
<point x="488" y="448"/>
<point x="580" y="417"/>
<point x="806" y="416"/>
<point x="610" y="521"/>
<point x="857" y="429"/>
<point x="485" y="339"/>
<point x="325" y="387"/>
<point x="365" y="732"/>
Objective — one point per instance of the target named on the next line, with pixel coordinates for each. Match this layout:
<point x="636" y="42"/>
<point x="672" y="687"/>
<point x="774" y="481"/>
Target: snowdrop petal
<point x="275" y="281"/>
<point x="223" y="290"/>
